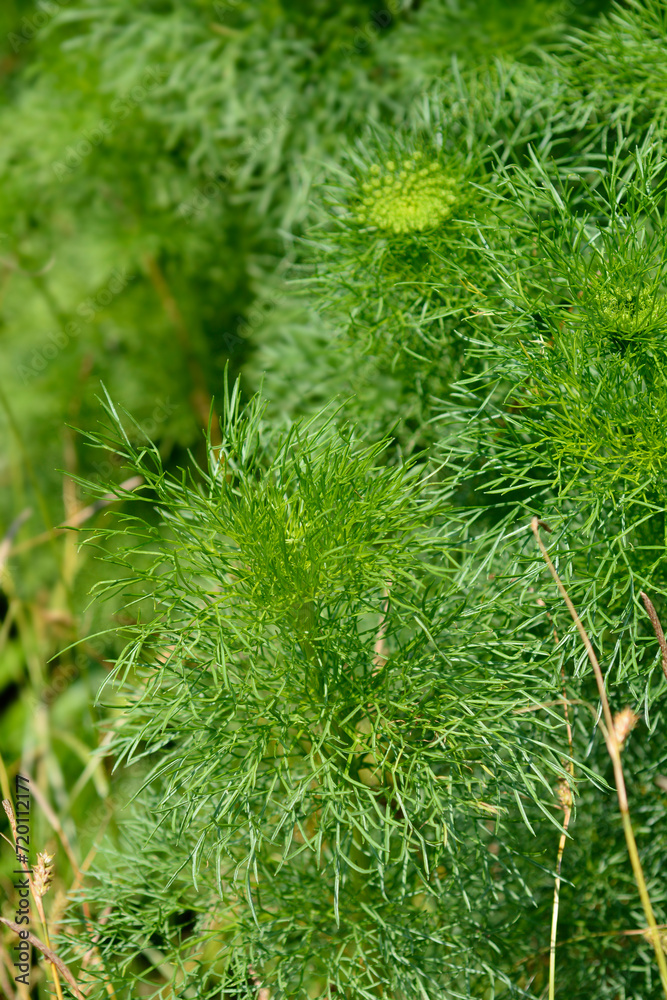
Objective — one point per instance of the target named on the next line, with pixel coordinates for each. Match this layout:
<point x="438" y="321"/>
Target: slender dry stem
<point x="657" y="628"/>
<point x="79" y="517"/>
<point x="565" y="796"/>
<point x="634" y="932"/>
<point x="48" y="953"/>
<point x="566" y="800"/>
<point x="615" y="755"/>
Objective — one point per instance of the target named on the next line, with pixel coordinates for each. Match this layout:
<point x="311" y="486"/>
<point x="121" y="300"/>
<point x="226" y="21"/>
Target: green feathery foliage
<point x="355" y="734"/>
<point x="322" y="750"/>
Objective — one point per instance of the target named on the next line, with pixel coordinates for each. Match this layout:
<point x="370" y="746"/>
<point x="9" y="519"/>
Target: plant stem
<point x="657" y="628"/>
<point x="554" y="915"/>
<point x="614" y="751"/>
<point x="54" y="971"/>
<point x="566" y="799"/>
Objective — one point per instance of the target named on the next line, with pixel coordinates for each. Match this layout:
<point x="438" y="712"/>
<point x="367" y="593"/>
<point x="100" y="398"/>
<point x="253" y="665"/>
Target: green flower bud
<point x="408" y="199"/>
<point x="621" y="309"/>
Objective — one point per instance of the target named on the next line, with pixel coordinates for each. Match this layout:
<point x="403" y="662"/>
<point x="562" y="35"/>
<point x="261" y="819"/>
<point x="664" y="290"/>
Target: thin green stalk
<point x="614" y="751"/>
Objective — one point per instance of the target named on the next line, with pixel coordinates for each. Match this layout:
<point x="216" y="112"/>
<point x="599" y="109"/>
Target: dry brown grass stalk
<point x="77" y="519"/>
<point x="657" y="628"/>
<point x="565" y="798"/>
<point x="614" y="751"/>
<point x="49" y="954"/>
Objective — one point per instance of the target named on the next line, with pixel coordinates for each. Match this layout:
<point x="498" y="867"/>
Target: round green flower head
<point x="406" y="197"/>
<point x="624" y="309"/>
